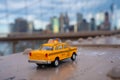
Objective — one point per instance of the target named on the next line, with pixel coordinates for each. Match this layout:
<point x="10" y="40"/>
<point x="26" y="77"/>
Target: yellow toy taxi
<point x="52" y="53"/>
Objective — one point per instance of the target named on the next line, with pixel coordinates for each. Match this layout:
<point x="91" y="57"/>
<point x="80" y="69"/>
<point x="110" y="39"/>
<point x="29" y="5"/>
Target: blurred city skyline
<point x="40" y="11"/>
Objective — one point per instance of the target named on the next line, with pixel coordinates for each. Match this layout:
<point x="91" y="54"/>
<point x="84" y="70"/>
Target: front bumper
<point x="40" y="61"/>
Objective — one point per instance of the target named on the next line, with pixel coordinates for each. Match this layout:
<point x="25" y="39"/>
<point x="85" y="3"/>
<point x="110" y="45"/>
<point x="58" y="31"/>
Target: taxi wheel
<point x="73" y="58"/>
<point x="56" y="62"/>
<point x="38" y="64"/>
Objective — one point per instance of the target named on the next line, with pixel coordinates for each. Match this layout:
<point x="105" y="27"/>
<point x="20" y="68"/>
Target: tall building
<point x="79" y="21"/>
<point x="106" y="21"/>
<point x="71" y="28"/>
<point x="49" y="27"/>
<point x="61" y="21"/>
<point x="12" y="27"/>
<point x="21" y="25"/>
<point x="66" y="23"/>
<point x="84" y="26"/>
<point x="113" y="16"/>
<point x="30" y="26"/>
<point x="66" y="19"/>
<point x="55" y="24"/>
<point x="92" y="25"/>
<point x="75" y="28"/>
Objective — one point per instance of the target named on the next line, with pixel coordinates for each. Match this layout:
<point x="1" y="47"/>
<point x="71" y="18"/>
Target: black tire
<point x="39" y="65"/>
<point x="73" y="57"/>
<point x="56" y="62"/>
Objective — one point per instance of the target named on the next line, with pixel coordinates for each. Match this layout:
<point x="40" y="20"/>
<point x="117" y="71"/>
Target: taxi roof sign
<point x="56" y="40"/>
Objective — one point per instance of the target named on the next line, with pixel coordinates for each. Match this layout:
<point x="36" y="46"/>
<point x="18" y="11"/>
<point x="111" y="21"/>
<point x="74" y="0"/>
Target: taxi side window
<point x="59" y="47"/>
<point x="65" y="46"/>
<point x="56" y="48"/>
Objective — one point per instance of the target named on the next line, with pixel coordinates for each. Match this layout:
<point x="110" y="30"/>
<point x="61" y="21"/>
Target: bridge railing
<point x="20" y="41"/>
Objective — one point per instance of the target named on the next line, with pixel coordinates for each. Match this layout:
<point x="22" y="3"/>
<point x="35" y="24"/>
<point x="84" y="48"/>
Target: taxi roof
<point x="52" y="44"/>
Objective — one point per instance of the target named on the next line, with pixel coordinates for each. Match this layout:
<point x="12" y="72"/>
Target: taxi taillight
<point x="30" y="54"/>
<point x="46" y="55"/>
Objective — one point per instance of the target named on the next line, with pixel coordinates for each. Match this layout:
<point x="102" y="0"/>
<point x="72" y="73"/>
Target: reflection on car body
<point x="52" y="52"/>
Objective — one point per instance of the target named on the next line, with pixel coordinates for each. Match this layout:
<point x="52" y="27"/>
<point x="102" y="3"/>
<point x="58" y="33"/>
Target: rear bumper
<point x="40" y="61"/>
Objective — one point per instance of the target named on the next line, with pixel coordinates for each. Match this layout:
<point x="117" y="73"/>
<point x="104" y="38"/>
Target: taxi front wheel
<point x="56" y="62"/>
<point x="73" y="57"/>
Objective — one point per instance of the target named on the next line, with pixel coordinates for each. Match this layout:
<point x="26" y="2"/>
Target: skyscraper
<point x="79" y="20"/>
<point x="61" y="21"/>
<point x="66" y="19"/>
<point x="12" y="27"/>
<point x="84" y="26"/>
<point x="21" y="25"/>
<point x="55" y="24"/>
<point x="106" y="21"/>
<point x="30" y="26"/>
<point x="92" y="24"/>
<point x="66" y="23"/>
<point x="113" y="16"/>
<point x="49" y="27"/>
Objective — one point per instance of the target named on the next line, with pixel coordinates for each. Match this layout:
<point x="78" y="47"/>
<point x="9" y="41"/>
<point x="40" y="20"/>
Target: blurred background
<point x="40" y="17"/>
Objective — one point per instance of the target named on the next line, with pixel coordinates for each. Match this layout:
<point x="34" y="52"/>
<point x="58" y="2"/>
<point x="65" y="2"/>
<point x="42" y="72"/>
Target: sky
<point x="40" y="11"/>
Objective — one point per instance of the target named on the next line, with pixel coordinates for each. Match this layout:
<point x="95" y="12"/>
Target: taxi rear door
<point x="66" y="50"/>
<point x="60" y="51"/>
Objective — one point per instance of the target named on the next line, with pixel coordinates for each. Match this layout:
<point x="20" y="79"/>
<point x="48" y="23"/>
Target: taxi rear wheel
<point x="38" y="64"/>
<point x="73" y="57"/>
<point x="56" y="62"/>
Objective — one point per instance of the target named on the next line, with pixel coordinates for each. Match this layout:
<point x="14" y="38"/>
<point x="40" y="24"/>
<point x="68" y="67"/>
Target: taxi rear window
<point x="46" y="48"/>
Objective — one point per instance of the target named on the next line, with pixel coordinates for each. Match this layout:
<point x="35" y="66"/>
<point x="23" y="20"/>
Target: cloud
<point x="40" y="24"/>
<point x="99" y="18"/>
<point x="89" y="16"/>
<point x="30" y="17"/>
<point x="15" y="5"/>
<point x="3" y="21"/>
<point x="2" y="6"/>
<point x="66" y="5"/>
<point x="2" y="14"/>
<point x="73" y="23"/>
<point x="87" y="4"/>
<point x="42" y="10"/>
<point x="118" y="24"/>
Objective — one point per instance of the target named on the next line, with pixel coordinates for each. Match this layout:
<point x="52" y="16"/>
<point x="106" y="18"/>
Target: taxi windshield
<point x="46" y="48"/>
